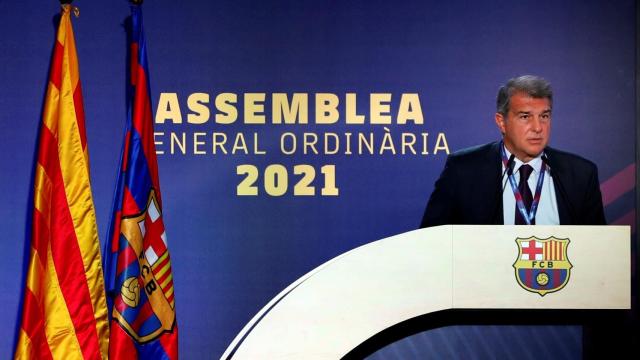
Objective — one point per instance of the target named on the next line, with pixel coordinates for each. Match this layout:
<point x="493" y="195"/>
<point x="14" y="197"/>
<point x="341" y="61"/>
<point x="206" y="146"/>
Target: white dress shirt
<point x="547" y="213"/>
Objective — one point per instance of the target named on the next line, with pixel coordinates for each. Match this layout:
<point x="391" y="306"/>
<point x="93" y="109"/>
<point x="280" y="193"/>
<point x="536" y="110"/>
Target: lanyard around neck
<point x="528" y="217"/>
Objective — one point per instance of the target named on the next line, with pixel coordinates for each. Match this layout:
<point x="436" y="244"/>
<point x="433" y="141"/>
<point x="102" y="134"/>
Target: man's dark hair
<point x="531" y="85"/>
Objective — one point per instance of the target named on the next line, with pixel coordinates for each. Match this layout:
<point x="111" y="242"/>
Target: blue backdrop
<point x="231" y="254"/>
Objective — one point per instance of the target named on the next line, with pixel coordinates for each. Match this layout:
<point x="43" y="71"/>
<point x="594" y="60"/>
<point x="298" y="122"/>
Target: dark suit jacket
<point x="469" y="190"/>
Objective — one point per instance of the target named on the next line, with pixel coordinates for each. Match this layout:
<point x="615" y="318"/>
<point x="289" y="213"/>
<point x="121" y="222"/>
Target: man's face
<point x="527" y="126"/>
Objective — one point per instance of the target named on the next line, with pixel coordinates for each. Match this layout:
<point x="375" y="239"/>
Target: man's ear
<point x="500" y="122"/>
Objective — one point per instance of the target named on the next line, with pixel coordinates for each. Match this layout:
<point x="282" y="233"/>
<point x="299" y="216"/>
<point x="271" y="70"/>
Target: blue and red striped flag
<point x="64" y="312"/>
<point x="138" y="271"/>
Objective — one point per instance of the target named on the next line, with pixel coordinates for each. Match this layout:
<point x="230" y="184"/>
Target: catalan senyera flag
<point x="137" y="263"/>
<point x="64" y="312"/>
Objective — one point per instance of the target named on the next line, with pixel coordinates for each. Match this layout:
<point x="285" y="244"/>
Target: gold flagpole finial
<point x="66" y="6"/>
<point x="136" y="2"/>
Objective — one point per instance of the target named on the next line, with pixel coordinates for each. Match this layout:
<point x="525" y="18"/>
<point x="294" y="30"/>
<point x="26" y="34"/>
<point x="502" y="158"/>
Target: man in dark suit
<point x="483" y="184"/>
<point x="495" y="184"/>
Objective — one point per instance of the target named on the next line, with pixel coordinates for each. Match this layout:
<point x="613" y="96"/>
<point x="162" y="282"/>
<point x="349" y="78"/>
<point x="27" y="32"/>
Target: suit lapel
<point x="495" y="169"/>
<point x="559" y="180"/>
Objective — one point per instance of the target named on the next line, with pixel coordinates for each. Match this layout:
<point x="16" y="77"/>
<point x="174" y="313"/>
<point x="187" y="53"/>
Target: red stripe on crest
<point x="145" y="312"/>
<point x="556" y="278"/>
<point x="125" y="258"/>
<point x="528" y="277"/>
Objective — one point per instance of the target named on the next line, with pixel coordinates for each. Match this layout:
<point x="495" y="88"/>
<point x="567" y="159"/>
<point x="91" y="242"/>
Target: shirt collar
<point x="535" y="163"/>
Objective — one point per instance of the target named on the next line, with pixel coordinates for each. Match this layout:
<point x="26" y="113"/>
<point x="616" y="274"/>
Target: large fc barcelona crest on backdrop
<point x="542" y="265"/>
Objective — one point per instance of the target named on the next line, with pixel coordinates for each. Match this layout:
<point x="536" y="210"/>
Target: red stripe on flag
<point x="125" y="151"/>
<point x="48" y="154"/>
<point x="33" y="326"/>
<point x="143" y="123"/>
<point x="67" y="258"/>
<point x="121" y="345"/>
<point x="134" y="63"/>
<point x="55" y="75"/>
<point x="528" y="277"/>
<point x="169" y="342"/>
<point x="77" y="103"/>
<point x="40" y="237"/>
<point x="115" y="239"/>
<point x="129" y="206"/>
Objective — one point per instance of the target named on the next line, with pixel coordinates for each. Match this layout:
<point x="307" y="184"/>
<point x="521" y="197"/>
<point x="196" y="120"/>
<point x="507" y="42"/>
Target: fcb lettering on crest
<point x="542" y="265"/>
<point x="146" y="306"/>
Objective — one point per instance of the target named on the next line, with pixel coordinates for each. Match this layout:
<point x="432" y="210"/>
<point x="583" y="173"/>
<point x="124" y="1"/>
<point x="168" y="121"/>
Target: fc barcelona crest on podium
<point x="542" y="265"/>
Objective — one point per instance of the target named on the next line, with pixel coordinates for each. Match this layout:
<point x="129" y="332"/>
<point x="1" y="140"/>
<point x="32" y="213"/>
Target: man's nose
<point x="536" y="124"/>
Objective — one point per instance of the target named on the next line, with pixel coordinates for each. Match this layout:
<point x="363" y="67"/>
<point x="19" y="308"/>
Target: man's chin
<point x="535" y="152"/>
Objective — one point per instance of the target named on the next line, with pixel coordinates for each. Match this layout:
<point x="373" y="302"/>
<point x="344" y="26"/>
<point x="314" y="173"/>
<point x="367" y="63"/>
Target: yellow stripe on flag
<point x="24" y="348"/>
<point x="42" y="193"/>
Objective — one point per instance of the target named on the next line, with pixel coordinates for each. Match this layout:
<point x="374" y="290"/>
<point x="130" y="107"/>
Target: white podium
<point x="337" y="306"/>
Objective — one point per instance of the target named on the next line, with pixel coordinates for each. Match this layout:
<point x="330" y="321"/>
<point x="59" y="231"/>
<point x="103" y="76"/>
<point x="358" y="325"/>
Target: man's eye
<point x="524" y="116"/>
